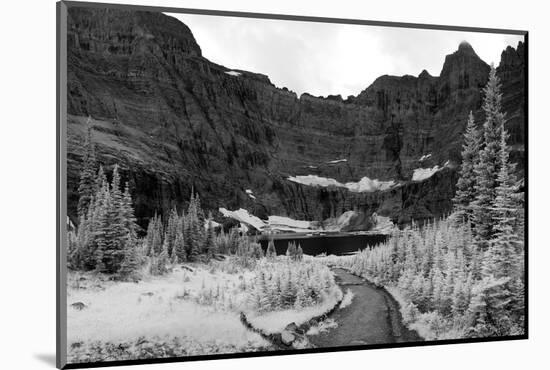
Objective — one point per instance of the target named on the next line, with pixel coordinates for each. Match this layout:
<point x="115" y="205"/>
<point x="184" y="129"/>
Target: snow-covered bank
<point x="276" y="321"/>
<point x="363" y="185"/>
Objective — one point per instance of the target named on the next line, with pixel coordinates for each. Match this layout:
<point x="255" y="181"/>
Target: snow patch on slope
<point x="250" y="194"/>
<point x="233" y="73"/>
<point x="337" y="161"/>
<point x="363" y="185"/>
<point x="424" y="157"/>
<point x="368" y="185"/>
<point x="425" y="173"/>
<point x="243" y="216"/>
<point x="275" y="221"/>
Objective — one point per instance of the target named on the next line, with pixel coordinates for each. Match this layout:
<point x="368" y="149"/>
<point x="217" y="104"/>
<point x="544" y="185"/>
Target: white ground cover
<point x="363" y="185"/>
<point x="276" y="321"/>
<point x="425" y="156"/>
<point x="233" y="73"/>
<point x="163" y="307"/>
<point x="421" y="174"/>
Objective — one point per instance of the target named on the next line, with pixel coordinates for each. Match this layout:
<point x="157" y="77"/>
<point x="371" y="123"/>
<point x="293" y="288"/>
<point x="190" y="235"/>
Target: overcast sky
<point x="329" y="59"/>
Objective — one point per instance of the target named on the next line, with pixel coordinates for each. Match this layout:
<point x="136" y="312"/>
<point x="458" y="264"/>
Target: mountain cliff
<point x="175" y="121"/>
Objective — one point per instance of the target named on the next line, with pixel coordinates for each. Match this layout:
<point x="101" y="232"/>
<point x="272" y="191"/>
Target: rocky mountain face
<point x="175" y="121"/>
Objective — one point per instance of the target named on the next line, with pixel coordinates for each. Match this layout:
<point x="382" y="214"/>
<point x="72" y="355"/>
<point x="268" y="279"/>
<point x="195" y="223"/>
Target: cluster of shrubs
<point x="283" y="285"/>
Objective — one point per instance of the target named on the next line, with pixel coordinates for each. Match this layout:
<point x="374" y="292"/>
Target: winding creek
<point x="372" y="318"/>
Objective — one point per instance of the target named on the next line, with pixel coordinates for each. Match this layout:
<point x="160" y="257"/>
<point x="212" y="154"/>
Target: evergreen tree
<point x="465" y="187"/>
<point x="86" y="186"/>
<point x="100" y="179"/>
<point x="487" y="169"/>
<point x="128" y="215"/>
<point x="179" y="248"/>
<point x="271" y="253"/>
<point x="153" y="239"/>
<point x="101" y="227"/>
<point x="131" y="263"/>
<point x="193" y="230"/>
<point x="107" y="234"/>
<point x="291" y="251"/>
<point x="262" y="293"/>
<point x="506" y="209"/>
<point x="114" y="226"/>
<point x="209" y="245"/>
<point x="171" y="230"/>
<point x="299" y="253"/>
<point x="488" y="309"/>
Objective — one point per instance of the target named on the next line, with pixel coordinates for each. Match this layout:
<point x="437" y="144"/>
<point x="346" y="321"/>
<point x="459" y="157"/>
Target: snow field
<point x="363" y="185"/>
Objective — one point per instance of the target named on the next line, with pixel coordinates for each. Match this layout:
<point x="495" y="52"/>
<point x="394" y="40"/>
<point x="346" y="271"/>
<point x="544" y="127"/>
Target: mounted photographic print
<point x="238" y="184"/>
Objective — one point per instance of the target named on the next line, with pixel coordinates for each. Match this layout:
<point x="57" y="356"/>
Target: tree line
<point x="106" y="239"/>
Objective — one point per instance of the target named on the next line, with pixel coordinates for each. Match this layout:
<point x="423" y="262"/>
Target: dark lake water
<point x="330" y="244"/>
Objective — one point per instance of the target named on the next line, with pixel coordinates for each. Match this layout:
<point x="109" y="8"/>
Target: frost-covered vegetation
<point x="194" y="304"/>
<point x="291" y="291"/>
<point x="280" y="286"/>
<point x="463" y="276"/>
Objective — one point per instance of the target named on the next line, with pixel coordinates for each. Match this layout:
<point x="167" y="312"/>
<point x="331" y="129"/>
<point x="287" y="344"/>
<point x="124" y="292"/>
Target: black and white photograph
<point x="244" y="185"/>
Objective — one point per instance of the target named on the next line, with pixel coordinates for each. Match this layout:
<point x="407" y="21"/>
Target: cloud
<point x="329" y="59"/>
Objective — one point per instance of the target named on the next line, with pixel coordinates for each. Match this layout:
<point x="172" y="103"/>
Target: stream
<point x="372" y="317"/>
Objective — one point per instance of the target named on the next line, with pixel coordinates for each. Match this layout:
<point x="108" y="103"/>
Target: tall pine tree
<point x="87" y="185"/>
<point x="487" y="169"/>
<point x="506" y="209"/>
<point x="465" y="187"/>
